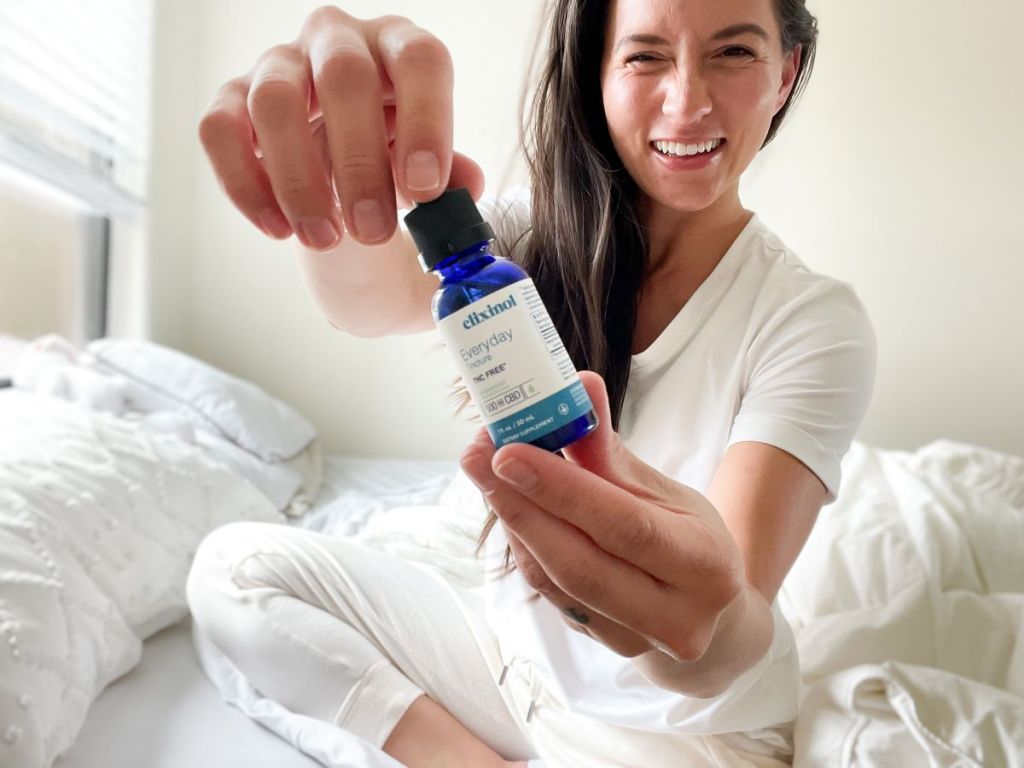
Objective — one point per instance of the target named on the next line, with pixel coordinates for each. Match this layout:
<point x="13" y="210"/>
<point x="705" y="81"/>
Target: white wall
<point x="903" y="172"/>
<point x="900" y="172"/>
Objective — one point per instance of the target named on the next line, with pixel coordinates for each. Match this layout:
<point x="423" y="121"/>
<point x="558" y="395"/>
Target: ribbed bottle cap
<point x="447" y="225"/>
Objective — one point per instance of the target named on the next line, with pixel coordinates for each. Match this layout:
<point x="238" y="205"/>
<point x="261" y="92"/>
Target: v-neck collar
<point x="681" y="328"/>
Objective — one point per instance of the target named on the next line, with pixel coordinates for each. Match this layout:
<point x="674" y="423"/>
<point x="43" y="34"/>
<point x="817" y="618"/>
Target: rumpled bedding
<point x="257" y="436"/>
<point x="908" y="607"/>
<point x="100" y="518"/>
<point x="907" y="604"/>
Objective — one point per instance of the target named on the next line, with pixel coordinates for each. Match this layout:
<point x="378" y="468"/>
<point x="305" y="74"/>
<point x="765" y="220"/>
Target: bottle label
<point x="514" y="364"/>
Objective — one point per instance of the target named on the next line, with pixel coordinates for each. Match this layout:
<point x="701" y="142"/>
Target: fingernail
<point x="318" y="232"/>
<point x="370" y="224"/>
<point x="274" y="223"/>
<point x="422" y="171"/>
<point x="517" y="473"/>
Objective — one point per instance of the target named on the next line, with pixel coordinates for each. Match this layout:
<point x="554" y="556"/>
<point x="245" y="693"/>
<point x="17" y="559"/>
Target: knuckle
<point x="685" y="645"/>
<point x="346" y="67"/>
<point x="357" y="166"/>
<point x="678" y="649"/>
<point x="583" y="581"/>
<point x="217" y="126"/>
<point x="534" y="575"/>
<point x="239" y="192"/>
<point x="426" y="120"/>
<point x="325" y="15"/>
<point x="293" y="186"/>
<point x="641" y="535"/>
<point x="270" y="100"/>
<point x="420" y="50"/>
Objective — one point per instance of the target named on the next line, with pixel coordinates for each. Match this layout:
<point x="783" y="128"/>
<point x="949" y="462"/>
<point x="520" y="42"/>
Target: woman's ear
<point x="790" y="67"/>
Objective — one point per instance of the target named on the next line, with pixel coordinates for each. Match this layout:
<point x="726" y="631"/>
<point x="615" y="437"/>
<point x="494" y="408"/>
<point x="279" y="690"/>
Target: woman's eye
<point x="641" y="57"/>
<point x="737" y="51"/>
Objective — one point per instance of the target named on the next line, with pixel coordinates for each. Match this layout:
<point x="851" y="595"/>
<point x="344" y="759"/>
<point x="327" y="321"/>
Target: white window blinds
<point x="74" y="96"/>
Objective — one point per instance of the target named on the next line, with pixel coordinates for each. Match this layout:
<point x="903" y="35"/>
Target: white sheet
<point x="166" y="713"/>
<point x="99" y="520"/>
<point x="908" y="607"/>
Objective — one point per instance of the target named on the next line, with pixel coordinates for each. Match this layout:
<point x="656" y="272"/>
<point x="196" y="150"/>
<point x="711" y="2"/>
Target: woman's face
<point x="692" y="76"/>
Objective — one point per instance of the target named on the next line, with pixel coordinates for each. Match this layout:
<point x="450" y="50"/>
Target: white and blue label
<point x="515" y="365"/>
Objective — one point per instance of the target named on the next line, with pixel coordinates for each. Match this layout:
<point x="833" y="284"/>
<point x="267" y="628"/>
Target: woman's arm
<point x="370" y="290"/>
<point x="769" y="500"/>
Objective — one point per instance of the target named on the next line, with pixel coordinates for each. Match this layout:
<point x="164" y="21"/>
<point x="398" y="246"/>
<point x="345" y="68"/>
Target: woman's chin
<point x="683" y="202"/>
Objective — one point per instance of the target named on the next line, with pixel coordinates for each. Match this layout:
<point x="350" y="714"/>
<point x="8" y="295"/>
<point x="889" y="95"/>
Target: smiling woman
<point x="639" y="624"/>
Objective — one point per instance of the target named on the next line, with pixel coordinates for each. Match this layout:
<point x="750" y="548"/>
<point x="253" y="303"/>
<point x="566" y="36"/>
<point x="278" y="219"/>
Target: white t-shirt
<point x="765" y="350"/>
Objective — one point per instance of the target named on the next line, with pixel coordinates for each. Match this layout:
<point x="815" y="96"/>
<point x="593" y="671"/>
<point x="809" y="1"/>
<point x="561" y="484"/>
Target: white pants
<point x="342" y="633"/>
<point x="351" y="636"/>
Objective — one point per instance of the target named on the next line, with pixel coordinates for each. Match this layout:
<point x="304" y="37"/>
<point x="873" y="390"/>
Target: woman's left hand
<point x="629" y="556"/>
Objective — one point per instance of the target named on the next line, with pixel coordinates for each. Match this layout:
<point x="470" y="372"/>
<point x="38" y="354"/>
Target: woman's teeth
<point x="686" y="150"/>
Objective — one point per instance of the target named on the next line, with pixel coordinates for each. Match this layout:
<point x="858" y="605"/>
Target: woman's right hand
<point x="363" y="107"/>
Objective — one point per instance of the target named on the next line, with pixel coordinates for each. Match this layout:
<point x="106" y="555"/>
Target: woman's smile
<point x="678" y="156"/>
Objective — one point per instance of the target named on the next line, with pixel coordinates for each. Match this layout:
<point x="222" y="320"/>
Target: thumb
<point x="464" y="173"/>
<point x="603" y="452"/>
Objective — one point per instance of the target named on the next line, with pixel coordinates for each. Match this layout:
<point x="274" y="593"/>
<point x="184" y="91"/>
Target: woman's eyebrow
<point x="741" y="29"/>
<point x="731" y="31"/>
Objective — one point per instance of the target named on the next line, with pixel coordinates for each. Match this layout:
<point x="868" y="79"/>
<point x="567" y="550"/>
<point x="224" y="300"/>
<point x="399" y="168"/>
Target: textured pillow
<point x="99" y="519"/>
<point x="237" y="410"/>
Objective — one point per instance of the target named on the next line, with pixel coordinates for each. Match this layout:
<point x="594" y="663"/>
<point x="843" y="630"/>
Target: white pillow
<point x="235" y="409"/>
<point x="100" y="517"/>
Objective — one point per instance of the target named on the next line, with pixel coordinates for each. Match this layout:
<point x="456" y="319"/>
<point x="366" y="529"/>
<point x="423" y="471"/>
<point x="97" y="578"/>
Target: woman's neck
<point x="685" y="248"/>
<point x="686" y="245"/>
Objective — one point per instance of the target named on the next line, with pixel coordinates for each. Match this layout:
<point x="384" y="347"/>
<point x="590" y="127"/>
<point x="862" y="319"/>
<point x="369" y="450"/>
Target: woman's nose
<point x="687" y="97"/>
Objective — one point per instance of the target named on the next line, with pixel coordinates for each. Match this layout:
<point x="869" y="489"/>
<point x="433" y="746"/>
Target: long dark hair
<point x="586" y="248"/>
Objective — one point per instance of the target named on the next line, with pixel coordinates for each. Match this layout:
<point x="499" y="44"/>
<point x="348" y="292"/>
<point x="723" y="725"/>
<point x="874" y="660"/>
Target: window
<point x="74" y="93"/>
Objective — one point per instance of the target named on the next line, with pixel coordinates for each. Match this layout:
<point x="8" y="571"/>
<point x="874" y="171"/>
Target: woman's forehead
<point x="699" y="16"/>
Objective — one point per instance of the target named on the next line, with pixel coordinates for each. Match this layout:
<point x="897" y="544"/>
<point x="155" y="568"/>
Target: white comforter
<point x="908" y="607"/>
<point x="99" y="519"/>
<point x="907" y="604"/>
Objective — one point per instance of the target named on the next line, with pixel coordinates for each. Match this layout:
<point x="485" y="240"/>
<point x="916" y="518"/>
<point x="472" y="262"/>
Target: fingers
<point x="581" y="569"/>
<point x="578" y="616"/>
<point x="420" y="67"/>
<point x="226" y="135"/>
<point x="618" y="522"/>
<point x="603" y="453"/>
<point x="379" y="93"/>
<point x="278" y="105"/>
<point x="350" y="95"/>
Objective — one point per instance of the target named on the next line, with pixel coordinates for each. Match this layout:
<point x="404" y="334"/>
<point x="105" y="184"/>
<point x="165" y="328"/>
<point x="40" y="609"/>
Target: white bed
<point x="167" y="714"/>
<point x="907" y="604"/>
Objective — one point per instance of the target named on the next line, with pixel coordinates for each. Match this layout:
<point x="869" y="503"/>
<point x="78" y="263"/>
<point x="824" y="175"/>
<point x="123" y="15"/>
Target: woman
<point x="639" y="624"/>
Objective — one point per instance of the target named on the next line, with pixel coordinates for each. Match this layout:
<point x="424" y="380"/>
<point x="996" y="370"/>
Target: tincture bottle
<point x="498" y="331"/>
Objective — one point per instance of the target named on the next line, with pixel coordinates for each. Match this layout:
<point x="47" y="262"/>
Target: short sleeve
<point x="811" y="376"/>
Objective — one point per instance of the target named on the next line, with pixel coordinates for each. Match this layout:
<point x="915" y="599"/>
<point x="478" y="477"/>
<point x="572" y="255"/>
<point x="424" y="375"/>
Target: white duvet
<point x="908" y="607"/>
<point x="100" y="517"/>
<point x="907" y="604"/>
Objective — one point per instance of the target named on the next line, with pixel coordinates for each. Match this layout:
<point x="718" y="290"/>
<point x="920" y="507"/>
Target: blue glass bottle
<point x="470" y="273"/>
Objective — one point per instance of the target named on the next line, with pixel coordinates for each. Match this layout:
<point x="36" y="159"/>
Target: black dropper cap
<point x="447" y="225"/>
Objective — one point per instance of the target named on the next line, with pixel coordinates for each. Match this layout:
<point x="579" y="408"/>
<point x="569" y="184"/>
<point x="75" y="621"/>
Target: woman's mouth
<point x="683" y="157"/>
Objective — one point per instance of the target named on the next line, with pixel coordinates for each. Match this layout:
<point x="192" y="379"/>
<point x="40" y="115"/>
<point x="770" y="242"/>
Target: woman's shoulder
<point x="791" y="292"/>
